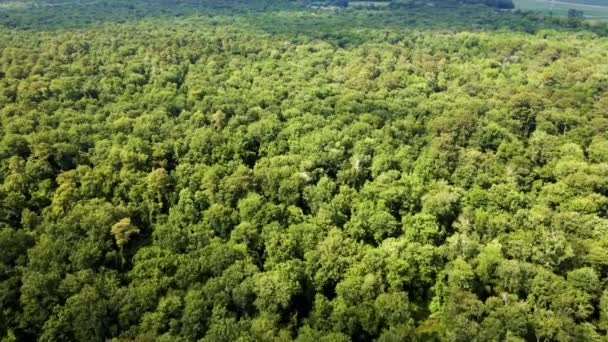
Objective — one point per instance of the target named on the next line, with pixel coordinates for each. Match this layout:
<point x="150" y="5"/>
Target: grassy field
<point x="590" y="2"/>
<point x="368" y="3"/>
<point x="592" y="9"/>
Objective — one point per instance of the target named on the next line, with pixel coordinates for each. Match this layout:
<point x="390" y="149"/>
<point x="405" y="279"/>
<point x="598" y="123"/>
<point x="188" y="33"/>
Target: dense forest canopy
<point x="270" y="171"/>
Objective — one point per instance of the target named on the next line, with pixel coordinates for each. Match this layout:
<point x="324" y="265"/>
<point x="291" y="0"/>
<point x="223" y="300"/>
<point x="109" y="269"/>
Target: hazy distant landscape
<point x="594" y="9"/>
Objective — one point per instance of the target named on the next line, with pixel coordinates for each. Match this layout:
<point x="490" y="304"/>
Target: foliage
<point x="231" y="171"/>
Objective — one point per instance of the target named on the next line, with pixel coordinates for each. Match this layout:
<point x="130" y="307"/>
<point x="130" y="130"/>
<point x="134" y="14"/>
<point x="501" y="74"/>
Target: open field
<point x="368" y="3"/>
<point x="590" y="2"/>
<point x="592" y="9"/>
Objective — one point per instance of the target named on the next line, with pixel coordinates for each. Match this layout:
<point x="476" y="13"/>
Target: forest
<point x="217" y="170"/>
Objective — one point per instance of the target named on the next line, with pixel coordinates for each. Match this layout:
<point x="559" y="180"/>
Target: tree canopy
<point x="254" y="171"/>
